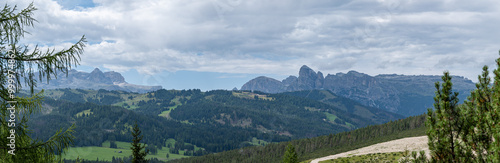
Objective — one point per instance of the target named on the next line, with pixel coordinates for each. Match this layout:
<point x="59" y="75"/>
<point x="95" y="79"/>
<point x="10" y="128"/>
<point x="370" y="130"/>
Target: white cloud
<point x="385" y="36"/>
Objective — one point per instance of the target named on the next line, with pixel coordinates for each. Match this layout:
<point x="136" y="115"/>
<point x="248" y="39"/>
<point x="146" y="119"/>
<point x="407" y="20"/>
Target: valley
<point x="234" y="119"/>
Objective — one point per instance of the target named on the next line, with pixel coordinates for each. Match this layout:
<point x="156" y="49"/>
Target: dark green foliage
<point x="112" y="144"/>
<point x="290" y="155"/>
<point x="73" y="97"/>
<point x="138" y="151"/>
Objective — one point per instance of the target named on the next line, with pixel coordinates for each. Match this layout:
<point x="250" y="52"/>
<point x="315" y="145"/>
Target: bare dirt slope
<point x="411" y="143"/>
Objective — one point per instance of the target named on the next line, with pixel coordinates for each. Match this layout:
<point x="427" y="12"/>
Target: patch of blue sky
<point x="76" y="4"/>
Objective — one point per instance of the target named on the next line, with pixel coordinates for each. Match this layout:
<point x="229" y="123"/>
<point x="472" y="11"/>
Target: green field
<point x="85" y="112"/>
<point x="250" y="95"/>
<point x="330" y="117"/>
<point x="106" y="153"/>
<point x="131" y="103"/>
<point x="258" y="142"/>
<point x="167" y="112"/>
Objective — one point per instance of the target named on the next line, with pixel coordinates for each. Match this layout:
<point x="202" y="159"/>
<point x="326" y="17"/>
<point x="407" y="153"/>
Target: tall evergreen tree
<point x="18" y="65"/>
<point x="444" y="123"/>
<point x="138" y="152"/>
<point x="290" y="155"/>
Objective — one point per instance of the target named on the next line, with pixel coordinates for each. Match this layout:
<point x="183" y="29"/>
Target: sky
<point x="221" y="44"/>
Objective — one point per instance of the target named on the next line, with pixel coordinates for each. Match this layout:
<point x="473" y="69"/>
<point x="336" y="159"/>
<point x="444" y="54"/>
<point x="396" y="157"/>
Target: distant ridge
<point x="94" y="80"/>
<point x="407" y="95"/>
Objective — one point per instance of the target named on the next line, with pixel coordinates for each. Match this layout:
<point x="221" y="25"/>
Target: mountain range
<point x="94" y="80"/>
<point x="407" y="95"/>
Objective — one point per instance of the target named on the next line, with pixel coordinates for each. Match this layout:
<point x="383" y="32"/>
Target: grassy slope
<point x="106" y="153"/>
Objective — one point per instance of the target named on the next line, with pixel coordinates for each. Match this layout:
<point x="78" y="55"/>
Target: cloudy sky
<point x="221" y="44"/>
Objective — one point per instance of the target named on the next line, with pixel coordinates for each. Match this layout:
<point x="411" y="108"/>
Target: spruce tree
<point x="138" y="152"/>
<point x="290" y="155"/>
<point x="18" y="65"/>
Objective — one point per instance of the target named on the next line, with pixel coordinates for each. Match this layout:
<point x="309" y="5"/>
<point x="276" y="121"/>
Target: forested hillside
<point x="348" y="105"/>
<point x="215" y="121"/>
<point x="280" y="114"/>
<point x="99" y="123"/>
<point x="320" y="146"/>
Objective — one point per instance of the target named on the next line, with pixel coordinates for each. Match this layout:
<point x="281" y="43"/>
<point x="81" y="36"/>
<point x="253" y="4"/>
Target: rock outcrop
<point x="404" y="94"/>
<point x="93" y="80"/>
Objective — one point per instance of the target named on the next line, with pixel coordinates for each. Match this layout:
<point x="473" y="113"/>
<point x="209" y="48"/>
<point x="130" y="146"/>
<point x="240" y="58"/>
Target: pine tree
<point x="477" y="137"/>
<point x="18" y="64"/>
<point x="469" y="132"/>
<point x="138" y="153"/>
<point x="444" y="124"/>
<point x="482" y="120"/>
<point x="494" y="116"/>
<point x="290" y="155"/>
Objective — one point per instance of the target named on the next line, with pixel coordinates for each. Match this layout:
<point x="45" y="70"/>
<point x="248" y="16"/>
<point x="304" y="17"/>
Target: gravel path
<point x="411" y="143"/>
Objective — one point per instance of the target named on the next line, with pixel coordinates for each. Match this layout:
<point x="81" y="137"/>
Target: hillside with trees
<point x="214" y="121"/>
<point x="310" y="148"/>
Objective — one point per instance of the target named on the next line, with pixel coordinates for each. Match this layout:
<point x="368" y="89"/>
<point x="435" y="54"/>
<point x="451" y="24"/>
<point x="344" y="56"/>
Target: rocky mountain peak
<point x="115" y="77"/>
<point x="404" y="94"/>
<point x="264" y="84"/>
<point x="95" y="80"/>
<point x="96" y="71"/>
<point x="98" y="76"/>
<point x="356" y="74"/>
<point x="289" y="80"/>
<point x="308" y="79"/>
<point x="306" y="71"/>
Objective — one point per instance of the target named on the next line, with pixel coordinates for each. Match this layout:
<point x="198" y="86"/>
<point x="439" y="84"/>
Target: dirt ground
<point x="411" y="143"/>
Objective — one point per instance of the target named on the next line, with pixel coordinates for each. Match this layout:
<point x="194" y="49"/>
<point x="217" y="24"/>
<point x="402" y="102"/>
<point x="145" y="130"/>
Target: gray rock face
<point x="97" y="76"/>
<point x="114" y="77"/>
<point x="264" y="84"/>
<point x="289" y="81"/>
<point x="93" y="80"/>
<point x="404" y="94"/>
<point x="307" y="80"/>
